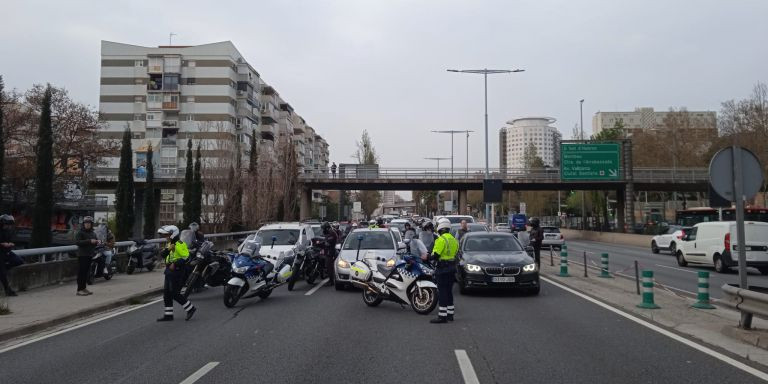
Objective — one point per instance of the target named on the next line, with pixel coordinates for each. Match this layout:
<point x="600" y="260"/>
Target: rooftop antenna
<point x="170" y="38"/>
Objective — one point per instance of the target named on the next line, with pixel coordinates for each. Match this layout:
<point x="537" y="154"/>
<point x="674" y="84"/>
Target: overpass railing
<point x="61" y="253"/>
<point x="472" y="174"/>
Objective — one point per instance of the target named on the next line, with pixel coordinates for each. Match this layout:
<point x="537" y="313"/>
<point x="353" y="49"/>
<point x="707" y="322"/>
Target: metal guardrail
<point x="61" y="253"/>
<point x="548" y="174"/>
<point x="747" y="301"/>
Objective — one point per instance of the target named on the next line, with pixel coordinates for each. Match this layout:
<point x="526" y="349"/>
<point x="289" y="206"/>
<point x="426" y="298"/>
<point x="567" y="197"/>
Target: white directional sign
<point x="448" y="205"/>
<point x="357" y="207"/>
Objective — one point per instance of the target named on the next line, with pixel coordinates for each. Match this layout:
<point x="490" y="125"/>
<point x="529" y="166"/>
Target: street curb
<point x="41" y="326"/>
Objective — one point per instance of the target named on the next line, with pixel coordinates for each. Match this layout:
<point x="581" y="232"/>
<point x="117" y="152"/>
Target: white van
<point x="715" y="243"/>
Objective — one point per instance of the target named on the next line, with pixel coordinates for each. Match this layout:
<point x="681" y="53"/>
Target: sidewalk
<point x="41" y="308"/>
<point x="717" y="327"/>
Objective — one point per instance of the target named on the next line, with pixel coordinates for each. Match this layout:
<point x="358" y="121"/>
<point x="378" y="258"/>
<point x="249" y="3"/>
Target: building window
<point x="138" y="63"/>
<point x="191" y="81"/>
<point x="137" y="99"/>
<point x="137" y="117"/>
<point x="190" y="117"/>
<point x="191" y="63"/>
<point x="190" y="99"/>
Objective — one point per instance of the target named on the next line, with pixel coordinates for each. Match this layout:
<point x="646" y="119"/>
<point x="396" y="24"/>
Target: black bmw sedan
<point x="495" y="260"/>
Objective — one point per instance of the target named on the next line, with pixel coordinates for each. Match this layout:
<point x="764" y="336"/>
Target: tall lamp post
<point x="437" y="197"/>
<point x="485" y="72"/>
<point x="583" y="205"/>
<point x="453" y="132"/>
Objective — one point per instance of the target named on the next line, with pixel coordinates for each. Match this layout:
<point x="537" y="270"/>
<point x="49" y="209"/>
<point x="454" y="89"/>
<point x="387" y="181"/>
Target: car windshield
<point x="282" y="236"/>
<point x="458" y="219"/>
<point x="491" y="244"/>
<point x="550" y="230"/>
<point x="400" y="226"/>
<point x="673" y="228"/>
<point x="370" y="240"/>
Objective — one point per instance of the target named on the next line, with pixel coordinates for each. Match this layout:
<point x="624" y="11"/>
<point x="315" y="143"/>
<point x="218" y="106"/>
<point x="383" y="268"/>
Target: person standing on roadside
<point x="463" y="230"/>
<point x="86" y="241"/>
<point x="331" y="239"/>
<point x="176" y="254"/>
<point x="537" y="238"/>
<point x="6" y="256"/>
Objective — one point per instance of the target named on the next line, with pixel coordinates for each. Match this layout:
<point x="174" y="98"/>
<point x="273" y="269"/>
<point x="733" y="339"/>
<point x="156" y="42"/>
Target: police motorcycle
<point x="141" y="255"/>
<point x="103" y="250"/>
<point x="204" y="264"/>
<point x="308" y="264"/>
<point x="256" y="275"/>
<point x="408" y="283"/>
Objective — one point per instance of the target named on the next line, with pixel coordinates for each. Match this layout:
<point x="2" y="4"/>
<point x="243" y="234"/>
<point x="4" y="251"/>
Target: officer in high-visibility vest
<point x="372" y="224"/>
<point x="176" y="255"/>
<point x="444" y="252"/>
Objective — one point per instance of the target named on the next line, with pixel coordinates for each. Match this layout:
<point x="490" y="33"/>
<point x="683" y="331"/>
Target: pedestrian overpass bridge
<point x="462" y="180"/>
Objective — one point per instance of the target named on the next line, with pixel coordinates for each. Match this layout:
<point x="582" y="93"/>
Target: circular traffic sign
<point x="721" y="173"/>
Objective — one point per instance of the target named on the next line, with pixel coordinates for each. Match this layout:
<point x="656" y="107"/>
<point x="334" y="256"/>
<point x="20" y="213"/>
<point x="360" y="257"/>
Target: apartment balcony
<point x="168" y="141"/>
<point x="170" y="105"/>
<point x="154" y="123"/>
<point x="152" y="105"/>
<point x="268" y="131"/>
<point x="269" y="114"/>
<point x="174" y="124"/>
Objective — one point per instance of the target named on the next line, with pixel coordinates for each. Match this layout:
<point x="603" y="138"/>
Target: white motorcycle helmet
<point x="171" y="230"/>
<point x="443" y="224"/>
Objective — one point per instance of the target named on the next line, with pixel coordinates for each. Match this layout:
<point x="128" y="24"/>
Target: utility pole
<point x="485" y="72"/>
<point x="583" y="205"/>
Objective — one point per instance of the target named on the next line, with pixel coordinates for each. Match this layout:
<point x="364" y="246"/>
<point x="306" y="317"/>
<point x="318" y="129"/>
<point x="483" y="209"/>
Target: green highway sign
<point x="587" y="161"/>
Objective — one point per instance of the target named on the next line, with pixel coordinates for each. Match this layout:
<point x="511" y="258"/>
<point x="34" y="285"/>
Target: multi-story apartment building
<point x="703" y="124"/>
<point x="168" y="95"/>
<point x="519" y="134"/>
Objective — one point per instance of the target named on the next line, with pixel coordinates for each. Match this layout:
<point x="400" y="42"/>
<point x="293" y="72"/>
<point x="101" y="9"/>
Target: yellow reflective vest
<point x="179" y="252"/>
<point x="446" y="246"/>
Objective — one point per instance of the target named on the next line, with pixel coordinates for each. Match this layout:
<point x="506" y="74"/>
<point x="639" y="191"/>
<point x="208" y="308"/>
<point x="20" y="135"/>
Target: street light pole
<point x="485" y="72"/>
<point x="583" y="205"/>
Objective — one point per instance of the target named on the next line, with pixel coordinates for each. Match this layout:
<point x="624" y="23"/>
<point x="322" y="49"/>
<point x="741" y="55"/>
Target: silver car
<point x="552" y="238"/>
<point x="288" y="238"/>
<point x="381" y="241"/>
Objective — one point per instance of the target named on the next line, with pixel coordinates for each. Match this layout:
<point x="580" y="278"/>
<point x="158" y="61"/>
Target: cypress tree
<point x="41" y="220"/>
<point x="125" y="216"/>
<point x="2" y="138"/>
<point x="189" y="190"/>
<point x="150" y="213"/>
<point x="197" y="202"/>
<point x="254" y="155"/>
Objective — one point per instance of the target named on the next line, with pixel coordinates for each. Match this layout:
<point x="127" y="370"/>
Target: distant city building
<point x="207" y="93"/>
<point x="388" y="197"/>
<point x="646" y="119"/>
<point x="518" y="134"/>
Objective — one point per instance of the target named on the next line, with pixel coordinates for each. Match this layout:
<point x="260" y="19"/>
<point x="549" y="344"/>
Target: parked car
<point x="382" y="241"/>
<point x="495" y="260"/>
<point x="295" y="238"/>
<point x="502" y="227"/>
<point x="669" y="239"/>
<point x="552" y="237"/>
<point x="715" y="244"/>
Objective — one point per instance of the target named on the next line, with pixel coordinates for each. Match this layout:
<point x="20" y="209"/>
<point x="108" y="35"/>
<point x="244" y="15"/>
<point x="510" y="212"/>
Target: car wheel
<point x="763" y="270"/>
<point x="338" y="286"/>
<point x="681" y="259"/>
<point x="672" y="248"/>
<point x="654" y="247"/>
<point x="533" y="291"/>
<point x="719" y="265"/>
<point x="463" y="289"/>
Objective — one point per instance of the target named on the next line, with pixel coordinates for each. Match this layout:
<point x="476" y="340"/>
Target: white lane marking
<point x="200" y="373"/>
<point x="130" y="309"/>
<point x="466" y="367"/>
<point x="735" y="363"/>
<point x="318" y="286"/>
<point x="677" y="269"/>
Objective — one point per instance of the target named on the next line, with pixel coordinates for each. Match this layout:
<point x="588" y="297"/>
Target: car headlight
<point x="240" y="270"/>
<point x="472" y="268"/>
<point x="390" y="263"/>
<point x="342" y="263"/>
<point x="529" y="267"/>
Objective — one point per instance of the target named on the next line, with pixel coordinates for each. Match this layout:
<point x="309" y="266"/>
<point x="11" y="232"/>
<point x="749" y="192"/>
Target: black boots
<point x="439" y="320"/>
<point x="166" y="318"/>
<point x="450" y="317"/>
<point x="190" y="313"/>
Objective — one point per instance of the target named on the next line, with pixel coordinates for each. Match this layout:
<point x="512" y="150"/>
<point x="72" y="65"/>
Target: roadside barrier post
<point x="551" y="257"/>
<point x="585" y="264"/>
<point x="703" y="292"/>
<point x="648" y="291"/>
<point x="564" y="261"/>
<point x="604" y="265"/>
<point x="637" y="278"/>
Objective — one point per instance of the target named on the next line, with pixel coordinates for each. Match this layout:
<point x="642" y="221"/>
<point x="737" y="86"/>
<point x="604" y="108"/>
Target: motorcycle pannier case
<point x="360" y="271"/>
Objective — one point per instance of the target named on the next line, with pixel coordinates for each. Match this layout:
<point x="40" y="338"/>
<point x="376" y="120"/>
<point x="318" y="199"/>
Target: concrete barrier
<point x="608" y="237"/>
<point x="36" y="275"/>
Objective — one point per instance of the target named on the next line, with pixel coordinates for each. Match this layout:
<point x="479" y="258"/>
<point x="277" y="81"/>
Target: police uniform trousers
<point x="174" y="280"/>
<point x="445" y="273"/>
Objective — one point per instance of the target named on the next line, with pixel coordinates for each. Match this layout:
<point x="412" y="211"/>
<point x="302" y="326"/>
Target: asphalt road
<point x="332" y="337"/>
<point x="664" y="266"/>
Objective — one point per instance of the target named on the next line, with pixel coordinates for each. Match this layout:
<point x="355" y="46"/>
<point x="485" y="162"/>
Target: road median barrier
<point x="604" y="271"/>
<point x="648" y="300"/>
<point x="564" y="261"/>
<point x="703" y="301"/>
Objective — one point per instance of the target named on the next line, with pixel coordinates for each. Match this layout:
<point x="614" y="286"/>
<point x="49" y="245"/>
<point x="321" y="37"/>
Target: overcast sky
<point x="351" y="65"/>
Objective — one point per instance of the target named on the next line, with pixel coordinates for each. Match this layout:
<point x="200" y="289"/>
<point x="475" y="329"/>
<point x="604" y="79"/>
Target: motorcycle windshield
<point x="188" y="237"/>
<point x="206" y="247"/>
